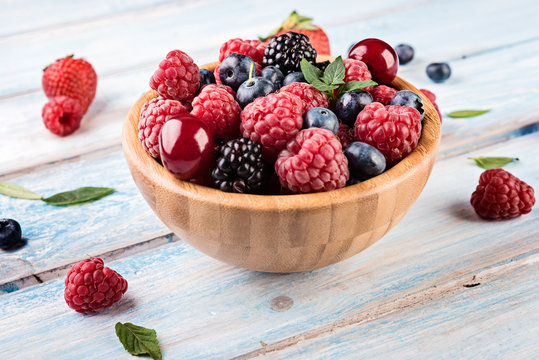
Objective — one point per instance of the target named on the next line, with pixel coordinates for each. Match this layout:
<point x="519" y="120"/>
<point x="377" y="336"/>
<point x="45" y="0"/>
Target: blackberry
<point x="240" y="167"/>
<point x="286" y="51"/>
<point x="322" y="65"/>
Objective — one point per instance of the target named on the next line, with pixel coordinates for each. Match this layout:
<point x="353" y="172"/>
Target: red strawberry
<point x="303" y="25"/>
<point x="74" y="78"/>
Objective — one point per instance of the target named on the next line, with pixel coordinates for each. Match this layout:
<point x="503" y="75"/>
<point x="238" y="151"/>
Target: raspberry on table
<point x="62" y="115"/>
<point x="177" y="78"/>
<point x="382" y="93"/>
<point x="309" y="95"/>
<point x="432" y="98"/>
<point x="501" y="195"/>
<point x="345" y="135"/>
<point x="153" y="115"/>
<point x="286" y="51"/>
<point x="356" y="70"/>
<point x="312" y="162"/>
<point x="91" y="287"/>
<point x="272" y="120"/>
<point x="240" y="46"/>
<point x="394" y="130"/>
<point x="218" y="109"/>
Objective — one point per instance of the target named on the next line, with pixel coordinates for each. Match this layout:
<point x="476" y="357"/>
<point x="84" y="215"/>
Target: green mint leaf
<point x="138" y="340"/>
<point x="493" y="162"/>
<point x="78" y="196"/>
<point x="327" y="88"/>
<point x="334" y="73"/>
<point x="18" y="191"/>
<point x="467" y="113"/>
<point x="310" y="72"/>
<point x="356" y="85"/>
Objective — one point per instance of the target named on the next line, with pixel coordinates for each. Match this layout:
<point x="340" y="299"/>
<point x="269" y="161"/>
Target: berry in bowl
<point x="290" y="161"/>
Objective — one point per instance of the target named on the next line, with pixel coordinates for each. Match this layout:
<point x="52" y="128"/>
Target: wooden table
<point x="442" y="284"/>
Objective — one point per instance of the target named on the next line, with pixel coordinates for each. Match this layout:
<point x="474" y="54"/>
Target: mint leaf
<point x="334" y="73"/>
<point x="323" y="86"/>
<point x="493" y="162"/>
<point x="78" y="196"/>
<point x="138" y="340"/>
<point x="356" y="85"/>
<point x="17" y="191"/>
<point x="467" y="113"/>
<point x="310" y="72"/>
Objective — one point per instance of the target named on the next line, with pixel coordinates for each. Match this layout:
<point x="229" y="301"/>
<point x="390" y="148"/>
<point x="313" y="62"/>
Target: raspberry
<point x="501" y="195"/>
<point x="432" y="98"/>
<point x="310" y="96"/>
<point x="259" y="45"/>
<point x="177" y="78"/>
<point x="216" y="74"/>
<point x="356" y="70"/>
<point x="90" y="287"/>
<point x="62" y="115"/>
<point x="226" y="87"/>
<point x="244" y="47"/>
<point x="312" y="162"/>
<point x="345" y="135"/>
<point x="394" y="130"/>
<point x="272" y="120"/>
<point x="381" y="93"/>
<point x="75" y="78"/>
<point x="153" y="115"/>
<point x="216" y="107"/>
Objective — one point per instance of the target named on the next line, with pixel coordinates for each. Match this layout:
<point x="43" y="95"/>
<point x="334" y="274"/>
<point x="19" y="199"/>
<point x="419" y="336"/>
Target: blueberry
<point x="250" y="90"/>
<point x="293" y="77"/>
<point x="350" y="104"/>
<point x="405" y="53"/>
<point x="322" y="118"/>
<point x="234" y="70"/>
<point x="206" y="77"/>
<point x="274" y="75"/>
<point x="408" y="98"/>
<point x="364" y="161"/>
<point x="438" y="72"/>
<point x="10" y="233"/>
<point x="352" y="181"/>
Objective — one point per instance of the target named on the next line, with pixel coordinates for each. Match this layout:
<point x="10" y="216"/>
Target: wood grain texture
<point x="193" y="300"/>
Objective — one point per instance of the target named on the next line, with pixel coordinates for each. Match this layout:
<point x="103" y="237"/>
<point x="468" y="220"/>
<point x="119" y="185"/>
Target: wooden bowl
<point x="285" y="233"/>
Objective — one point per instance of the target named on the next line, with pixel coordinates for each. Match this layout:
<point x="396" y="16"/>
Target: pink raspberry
<point x="312" y="162"/>
<point x="153" y="115"/>
<point x="309" y="95"/>
<point x="177" y="78"/>
<point x="272" y="120"/>
<point x="216" y="107"/>
<point x="381" y="93"/>
<point x="432" y="98"/>
<point x="345" y="135"/>
<point x="62" y="115"/>
<point x="356" y="70"/>
<point x="90" y="287"/>
<point x="226" y="87"/>
<point x="394" y="129"/>
<point x="244" y="47"/>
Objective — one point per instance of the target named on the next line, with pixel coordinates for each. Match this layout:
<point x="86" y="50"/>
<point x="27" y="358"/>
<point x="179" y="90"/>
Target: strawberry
<point x="303" y="25"/>
<point x="74" y="78"/>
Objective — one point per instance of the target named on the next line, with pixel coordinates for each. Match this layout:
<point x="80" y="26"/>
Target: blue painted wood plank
<point x="193" y="301"/>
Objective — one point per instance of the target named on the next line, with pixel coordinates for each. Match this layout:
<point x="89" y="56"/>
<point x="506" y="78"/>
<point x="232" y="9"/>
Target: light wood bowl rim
<point x="142" y="161"/>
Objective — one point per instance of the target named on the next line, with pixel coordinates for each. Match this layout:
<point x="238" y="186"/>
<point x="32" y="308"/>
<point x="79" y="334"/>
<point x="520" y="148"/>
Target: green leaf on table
<point x="334" y="73"/>
<point x="356" y="85"/>
<point x="310" y="72"/>
<point x="467" y="113"/>
<point x="79" y="196"/>
<point x="138" y="340"/>
<point x="493" y="162"/>
<point x="18" y="191"/>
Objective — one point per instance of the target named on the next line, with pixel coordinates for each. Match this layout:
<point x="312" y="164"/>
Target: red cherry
<point x="186" y="147"/>
<point x="380" y="58"/>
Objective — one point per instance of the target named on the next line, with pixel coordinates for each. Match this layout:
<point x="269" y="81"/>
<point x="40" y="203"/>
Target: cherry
<point x="380" y="58"/>
<point x="186" y="147"/>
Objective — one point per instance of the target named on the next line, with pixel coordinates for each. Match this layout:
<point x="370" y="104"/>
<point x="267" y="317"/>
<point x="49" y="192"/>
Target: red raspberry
<point x="272" y="120"/>
<point x="75" y="78"/>
<point x="240" y="46"/>
<point x="345" y="135"/>
<point x="62" y="115"/>
<point x="153" y="115"/>
<point x="259" y="45"/>
<point x="216" y="75"/>
<point x="177" y="78"/>
<point x="501" y="195"/>
<point x="381" y="93"/>
<point x="226" y="87"/>
<point x="310" y="96"/>
<point x="394" y="129"/>
<point x="90" y="287"/>
<point x="356" y="70"/>
<point x="430" y="95"/>
<point x="312" y="162"/>
<point x="216" y="107"/>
